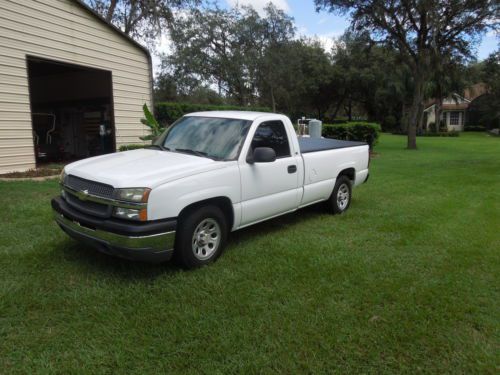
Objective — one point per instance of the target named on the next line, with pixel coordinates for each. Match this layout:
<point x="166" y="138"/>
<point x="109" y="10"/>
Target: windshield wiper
<point x="159" y="147"/>
<point x="192" y="152"/>
<point x="196" y="153"/>
<point x="155" y="146"/>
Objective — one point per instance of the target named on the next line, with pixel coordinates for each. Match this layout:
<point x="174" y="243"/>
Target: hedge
<point x="131" y="147"/>
<point x="441" y="134"/>
<point x="166" y="113"/>
<point x="353" y="131"/>
<point x="474" y="128"/>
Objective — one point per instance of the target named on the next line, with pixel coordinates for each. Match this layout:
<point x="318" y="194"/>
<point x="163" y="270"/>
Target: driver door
<point x="269" y="189"/>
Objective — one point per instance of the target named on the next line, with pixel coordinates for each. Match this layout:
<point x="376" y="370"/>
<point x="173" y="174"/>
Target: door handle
<point x="292" y="168"/>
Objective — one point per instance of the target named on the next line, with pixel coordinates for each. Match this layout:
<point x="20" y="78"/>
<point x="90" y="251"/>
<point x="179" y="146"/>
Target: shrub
<point x="432" y="126"/>
<point x="442" y="134"/>
<point x="353" y="131"/>
<point x="130" y="147"/>
<point x="149" y="120"/>
<point x="334" y="120"/>
<point x="167" y="113"/>
<point x="474" y="128"/>
<point x="389" y="123"/>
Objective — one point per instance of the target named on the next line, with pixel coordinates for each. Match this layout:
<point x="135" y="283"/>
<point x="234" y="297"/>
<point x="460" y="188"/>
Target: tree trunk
<point x="349" y="110"/>
<point x="420" y="123"/>
<point x="111" y="10"/>
<point x="241" y="98"/>
<point x="416" y="107"/>
<point x="131" y="18"/>
<point x="403" y="126"/>
<point x="273" y="101"/>
<point x="337" y="107"/>
<point x="438" y="110"/>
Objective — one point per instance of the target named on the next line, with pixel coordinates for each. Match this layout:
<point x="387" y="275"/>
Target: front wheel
<point x="201" y="236"/>
<point x="340" y="199"/>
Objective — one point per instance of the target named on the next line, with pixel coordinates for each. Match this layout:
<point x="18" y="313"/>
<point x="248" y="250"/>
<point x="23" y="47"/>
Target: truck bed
<point x="307" y="144"/>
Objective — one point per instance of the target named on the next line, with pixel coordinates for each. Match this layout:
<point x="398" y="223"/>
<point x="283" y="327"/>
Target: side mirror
<point x="262" y="155"/>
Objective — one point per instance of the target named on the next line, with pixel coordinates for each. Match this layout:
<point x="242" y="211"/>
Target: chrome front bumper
<point x="157" y="247"/>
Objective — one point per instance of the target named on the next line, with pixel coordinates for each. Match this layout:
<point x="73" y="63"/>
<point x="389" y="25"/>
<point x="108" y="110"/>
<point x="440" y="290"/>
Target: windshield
<point x="216" y="138"/>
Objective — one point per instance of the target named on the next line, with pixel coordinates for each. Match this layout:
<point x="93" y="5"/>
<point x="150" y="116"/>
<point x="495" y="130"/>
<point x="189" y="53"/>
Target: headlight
<point x="131" y="213"/>
<point x="136" y="195"/>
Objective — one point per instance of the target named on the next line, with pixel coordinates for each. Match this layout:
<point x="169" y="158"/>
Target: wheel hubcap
<point x="343" y="196"/>
<point x="206" y="239"/>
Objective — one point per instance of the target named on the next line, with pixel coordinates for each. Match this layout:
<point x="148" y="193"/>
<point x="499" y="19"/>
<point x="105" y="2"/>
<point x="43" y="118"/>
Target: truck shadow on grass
<point x="86" y="259"/>
<point x="277" y="224"/>
<point x="89" y="260"/>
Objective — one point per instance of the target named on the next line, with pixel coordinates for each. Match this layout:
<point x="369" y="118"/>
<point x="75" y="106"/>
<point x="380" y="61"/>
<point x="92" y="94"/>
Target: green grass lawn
<point x="407" y="281"/>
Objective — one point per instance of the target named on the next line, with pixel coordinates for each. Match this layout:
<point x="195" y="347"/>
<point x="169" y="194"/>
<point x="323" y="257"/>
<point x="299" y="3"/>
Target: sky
<point x="323" y="25"/>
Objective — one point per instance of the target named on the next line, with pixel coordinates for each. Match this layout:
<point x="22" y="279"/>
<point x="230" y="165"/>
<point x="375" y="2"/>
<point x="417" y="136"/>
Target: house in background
<point x="456" y="109"/>
<point x="71" y="84"/>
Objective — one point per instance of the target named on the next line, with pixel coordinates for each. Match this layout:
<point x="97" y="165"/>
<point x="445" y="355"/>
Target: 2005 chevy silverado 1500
<point x="208" y="174"/>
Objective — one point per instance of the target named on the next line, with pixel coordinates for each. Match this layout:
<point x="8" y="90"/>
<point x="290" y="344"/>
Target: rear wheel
<point x="340" y="200"/>
<point x="201" y="236"/>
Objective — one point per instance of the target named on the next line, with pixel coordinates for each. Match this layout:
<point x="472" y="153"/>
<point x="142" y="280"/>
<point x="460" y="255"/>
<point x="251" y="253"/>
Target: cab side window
<point x="272" y="134"/>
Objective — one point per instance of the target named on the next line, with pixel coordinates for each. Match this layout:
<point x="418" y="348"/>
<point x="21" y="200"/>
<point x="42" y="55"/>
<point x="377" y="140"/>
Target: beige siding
<point x="62" y="30"/>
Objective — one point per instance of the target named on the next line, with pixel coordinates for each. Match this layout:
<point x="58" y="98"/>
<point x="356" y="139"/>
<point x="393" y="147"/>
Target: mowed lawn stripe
<point x="406" y="281"/>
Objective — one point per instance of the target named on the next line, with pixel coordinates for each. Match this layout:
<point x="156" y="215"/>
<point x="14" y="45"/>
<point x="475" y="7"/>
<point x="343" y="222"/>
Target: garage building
<point x="71" y="85"/>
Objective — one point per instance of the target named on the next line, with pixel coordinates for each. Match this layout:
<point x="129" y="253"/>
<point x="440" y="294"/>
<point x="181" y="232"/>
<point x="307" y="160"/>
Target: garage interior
<point x="71" y="111"/>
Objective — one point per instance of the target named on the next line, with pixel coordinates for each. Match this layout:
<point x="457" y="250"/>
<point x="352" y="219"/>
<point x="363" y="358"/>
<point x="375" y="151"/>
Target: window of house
<point x="272" y="134"/>
<point x="454" y="118"/>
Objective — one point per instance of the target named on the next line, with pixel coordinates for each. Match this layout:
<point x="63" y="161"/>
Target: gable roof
<point x="475" y="91"/>
<point x="88" y="9"/>
<point x="455" y="106"/>
<point x="462" y="102"/>
<point x="115" y="29"/>
<point x="458" y="102"/>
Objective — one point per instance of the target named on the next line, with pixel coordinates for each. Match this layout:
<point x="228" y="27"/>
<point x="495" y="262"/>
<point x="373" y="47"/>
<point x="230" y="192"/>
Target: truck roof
<point x="239" y="115"/>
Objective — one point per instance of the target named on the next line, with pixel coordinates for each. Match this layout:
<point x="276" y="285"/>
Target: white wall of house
<point x="64" y="31"/>
<point x="454" y="120"/>
<point x="431" y="116"/>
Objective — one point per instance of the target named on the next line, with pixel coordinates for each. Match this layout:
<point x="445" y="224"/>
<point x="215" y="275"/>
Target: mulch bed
<point x="33" y="173"/>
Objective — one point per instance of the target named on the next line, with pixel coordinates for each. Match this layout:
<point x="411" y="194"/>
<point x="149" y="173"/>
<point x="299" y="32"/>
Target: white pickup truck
<point x="208" y="174"/>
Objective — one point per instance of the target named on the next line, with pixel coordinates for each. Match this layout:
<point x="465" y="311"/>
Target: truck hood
<point x="141" y="168"/>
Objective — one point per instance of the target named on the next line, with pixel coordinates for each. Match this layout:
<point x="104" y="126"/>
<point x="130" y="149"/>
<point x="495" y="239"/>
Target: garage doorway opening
<point x="71" y="111"/>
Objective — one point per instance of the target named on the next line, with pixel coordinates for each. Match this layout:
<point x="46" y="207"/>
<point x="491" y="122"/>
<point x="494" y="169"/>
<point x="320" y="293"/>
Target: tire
<point x="340" y="200"/>
<point x="201" y="236"/>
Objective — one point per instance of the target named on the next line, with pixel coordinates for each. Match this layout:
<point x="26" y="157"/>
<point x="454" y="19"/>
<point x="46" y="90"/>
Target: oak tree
<point x="141" y="19"/>
<point x="418" y="29"/>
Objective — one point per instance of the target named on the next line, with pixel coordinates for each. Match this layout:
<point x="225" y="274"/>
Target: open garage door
<point x="71" y="111"/>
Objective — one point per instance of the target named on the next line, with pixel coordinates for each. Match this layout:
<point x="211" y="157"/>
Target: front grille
<point x="92" y="187"/>
<point x="88" y="207"/>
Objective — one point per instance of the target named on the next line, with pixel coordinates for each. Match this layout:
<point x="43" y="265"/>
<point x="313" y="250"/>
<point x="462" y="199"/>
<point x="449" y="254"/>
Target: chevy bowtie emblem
<point x="84" y="195"/>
